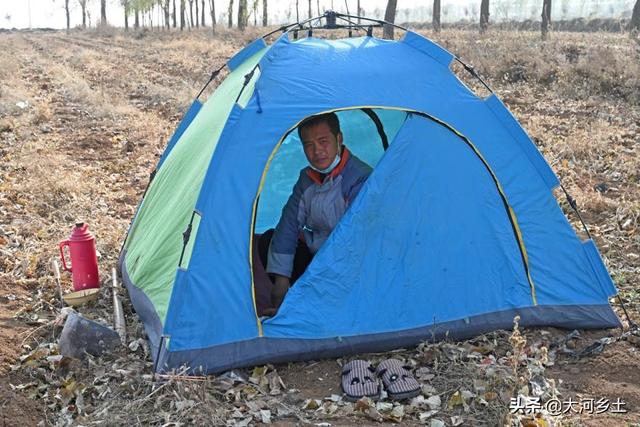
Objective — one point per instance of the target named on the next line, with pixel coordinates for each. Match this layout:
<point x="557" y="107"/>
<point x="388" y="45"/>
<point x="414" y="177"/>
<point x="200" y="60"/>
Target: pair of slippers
<point x="360" y="379"/>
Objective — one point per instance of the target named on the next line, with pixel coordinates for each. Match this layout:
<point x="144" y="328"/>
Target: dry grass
<point x="574" y="65"/>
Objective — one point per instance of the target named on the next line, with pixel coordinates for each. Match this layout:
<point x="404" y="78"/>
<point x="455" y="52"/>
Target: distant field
<point x="84" y="116"/>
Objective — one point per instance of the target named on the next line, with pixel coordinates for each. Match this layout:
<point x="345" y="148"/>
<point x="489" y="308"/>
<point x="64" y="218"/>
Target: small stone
<point x="424" y="416"/>
<point x="397" y="413"/>
<point x="80" y="336"/>
<point x="428" y="390"/>
<point x="418" y="402"/>
<point x="265" y="416"/>
<point x="374" y="414"/>
<point x="384" y="406"/>
<point x="434" y="402"/>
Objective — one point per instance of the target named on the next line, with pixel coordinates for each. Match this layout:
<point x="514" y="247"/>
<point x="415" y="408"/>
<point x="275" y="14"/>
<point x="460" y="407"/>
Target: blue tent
<point x="455" y="232"/>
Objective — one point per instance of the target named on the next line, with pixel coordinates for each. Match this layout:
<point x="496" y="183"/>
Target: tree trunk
<point x="167" y="14"/>
<point x="255" y="13"/>
<point x="212" y="9"/>
<point x="484" y="15"/>
<point x="242" y="14"/>
<point x="264" y="13"/>
<point x="190" y="13"/>
<point x="202" y="13"/>
<point x="136" y="17"/>
<point x="66" y="10"/>
<point x="230" y="13"/>
<point x="436" y="16"/>
<point x="103" y="12"/>
<point x="634" y="24"/>
<point x="173" y="15"/>
<point x="83" y="6"/>
<point x="389" y="16"/>
<point x="546" y="18"/>
<point x="125" y="6"/>
<point x="182" y="15"/>
<point x="197" y="14"/>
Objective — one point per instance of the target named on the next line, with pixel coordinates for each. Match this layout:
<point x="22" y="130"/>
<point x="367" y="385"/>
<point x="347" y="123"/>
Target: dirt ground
<point x="84" y="117"/>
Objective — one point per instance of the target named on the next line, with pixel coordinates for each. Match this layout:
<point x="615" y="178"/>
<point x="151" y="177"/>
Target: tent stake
<point x="632" y="324"/>
<point x="118" y="314"/>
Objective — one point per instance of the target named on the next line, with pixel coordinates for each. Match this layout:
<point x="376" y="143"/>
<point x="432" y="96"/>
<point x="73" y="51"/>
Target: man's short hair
<point x="330" y="119"/>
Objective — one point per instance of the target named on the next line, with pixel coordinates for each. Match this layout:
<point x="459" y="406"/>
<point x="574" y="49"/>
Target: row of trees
<point x="172" y="15"/>
<point x="545" y="15"/>
<point x="142" y="12"/>
<point x="169" y="14"/>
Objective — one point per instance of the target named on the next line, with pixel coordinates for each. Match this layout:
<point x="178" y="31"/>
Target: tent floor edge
<point x="261" y="350"/>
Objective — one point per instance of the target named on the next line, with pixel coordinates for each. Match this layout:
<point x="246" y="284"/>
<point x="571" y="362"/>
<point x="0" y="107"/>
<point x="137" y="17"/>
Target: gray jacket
<point x="314" y="209"/>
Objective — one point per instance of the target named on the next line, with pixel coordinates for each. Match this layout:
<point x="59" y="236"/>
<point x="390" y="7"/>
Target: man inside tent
<point x="320" y="197"/>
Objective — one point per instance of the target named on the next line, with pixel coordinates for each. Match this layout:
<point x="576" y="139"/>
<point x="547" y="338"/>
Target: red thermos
<point x="84" y="262"/>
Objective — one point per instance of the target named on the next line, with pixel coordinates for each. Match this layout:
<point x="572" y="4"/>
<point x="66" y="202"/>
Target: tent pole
<point x="574" y="206"/>
<point x="160" y="344"/>
<point x="330" y="16"/>
<point x="213" y="76"/>
<point x="473" y="72"/>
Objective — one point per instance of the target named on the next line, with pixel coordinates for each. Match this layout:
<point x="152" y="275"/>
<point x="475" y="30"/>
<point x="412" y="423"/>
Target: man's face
<point x="320" y="145"/>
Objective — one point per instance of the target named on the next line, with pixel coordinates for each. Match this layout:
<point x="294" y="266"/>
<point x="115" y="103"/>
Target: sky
<point x="50" y="13"/>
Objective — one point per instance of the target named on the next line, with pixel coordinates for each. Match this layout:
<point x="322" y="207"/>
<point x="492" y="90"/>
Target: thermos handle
<point x="64" y="264"/>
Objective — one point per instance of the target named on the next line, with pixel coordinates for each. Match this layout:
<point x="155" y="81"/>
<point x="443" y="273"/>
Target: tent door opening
<point x="367" y="133"/>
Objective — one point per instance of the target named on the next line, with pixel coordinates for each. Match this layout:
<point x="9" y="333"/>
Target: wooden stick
<point x="33" y="331"/>
<point x="118" y="313"/>
<point x="173" y="377"/>
<point x="56" y="272"/>
<point x="181" y="372"/>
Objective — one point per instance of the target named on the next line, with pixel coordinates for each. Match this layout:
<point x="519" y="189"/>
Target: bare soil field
<point x="83" y="119"/>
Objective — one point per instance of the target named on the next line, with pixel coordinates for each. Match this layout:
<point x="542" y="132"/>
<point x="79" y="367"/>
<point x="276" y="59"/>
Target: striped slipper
<point x="397" y="379"/>
<point x="359" y="380"/>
